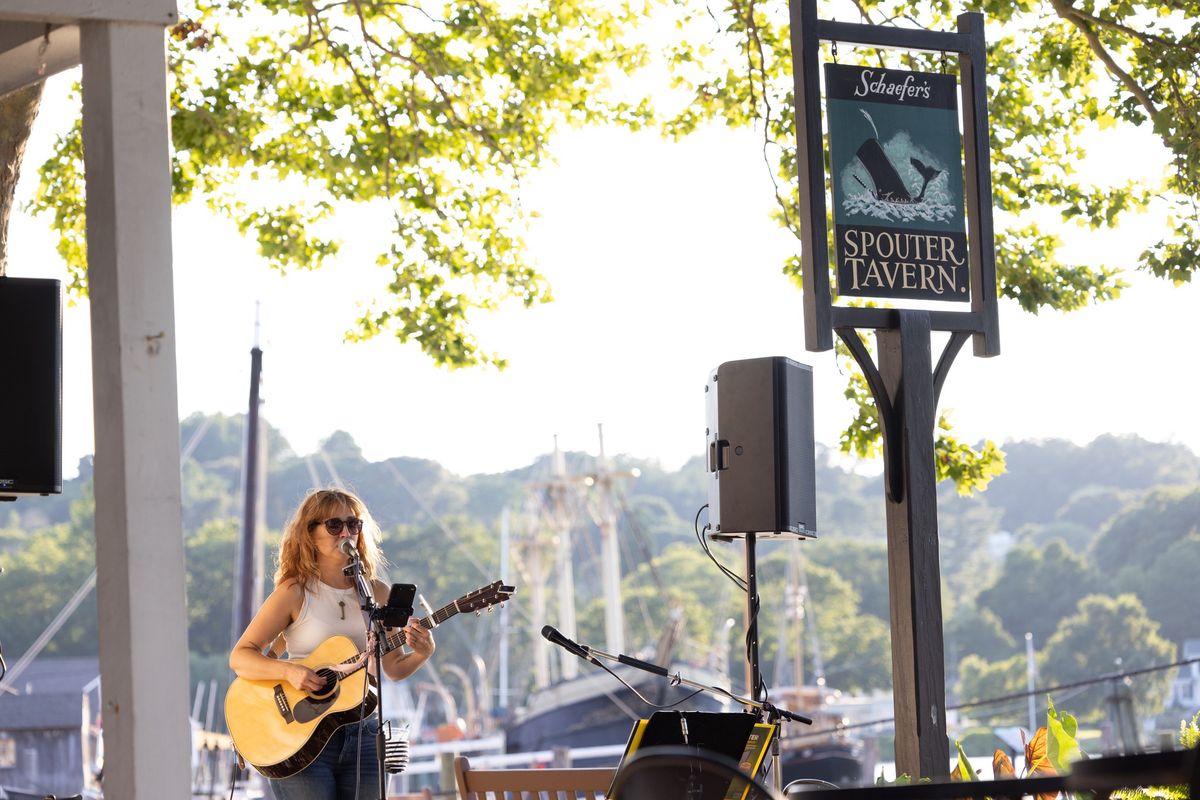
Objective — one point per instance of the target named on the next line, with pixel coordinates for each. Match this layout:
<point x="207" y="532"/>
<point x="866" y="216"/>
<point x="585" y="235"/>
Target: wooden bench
<point x="424" y="794"/>
<point x="530" y="784"/>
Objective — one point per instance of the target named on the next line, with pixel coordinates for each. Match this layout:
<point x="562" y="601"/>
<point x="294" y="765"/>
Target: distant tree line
<point x="1092" y="550"/>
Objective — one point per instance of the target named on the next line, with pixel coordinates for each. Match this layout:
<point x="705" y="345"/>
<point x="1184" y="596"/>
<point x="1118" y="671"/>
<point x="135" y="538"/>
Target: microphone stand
<point x="774" y="713"/>
<point x="376" y="613"/>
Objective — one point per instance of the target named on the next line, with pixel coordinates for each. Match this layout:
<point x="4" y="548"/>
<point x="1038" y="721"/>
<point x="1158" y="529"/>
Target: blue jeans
<point x="331" y="775"/>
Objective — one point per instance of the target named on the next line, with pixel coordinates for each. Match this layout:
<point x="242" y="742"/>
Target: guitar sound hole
<point x="330" y="679"/>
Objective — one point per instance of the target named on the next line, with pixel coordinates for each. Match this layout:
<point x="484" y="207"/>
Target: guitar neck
<point x="400" y="638"/>
<point x="485" y="597"/>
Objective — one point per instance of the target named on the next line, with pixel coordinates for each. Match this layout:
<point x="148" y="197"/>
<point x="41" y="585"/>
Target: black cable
<point x="639" y="695"/>
<point x="753" y="628"/>
<point x="233" y="780"/>
<point x="362" y="714"/>
<point x="737" y="579"/>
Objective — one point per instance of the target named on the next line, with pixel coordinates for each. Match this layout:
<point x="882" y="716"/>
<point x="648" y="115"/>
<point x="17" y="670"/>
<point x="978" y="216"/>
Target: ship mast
<point x="560" y="490"/>
<point x="532" y="547"/>
<point x="605" y="514"/>
<point x="250" y="555"/>
<point x="550" y="504"/>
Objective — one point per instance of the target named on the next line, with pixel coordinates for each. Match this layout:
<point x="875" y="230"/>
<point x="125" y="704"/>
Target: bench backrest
<point x="531" y="784"/>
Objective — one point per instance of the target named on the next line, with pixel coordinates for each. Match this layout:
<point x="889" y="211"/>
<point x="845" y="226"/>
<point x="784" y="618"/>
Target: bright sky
<point x="665" y="263"/>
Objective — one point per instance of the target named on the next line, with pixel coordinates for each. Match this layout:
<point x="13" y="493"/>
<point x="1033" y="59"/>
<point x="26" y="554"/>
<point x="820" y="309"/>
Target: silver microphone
<point x="347" y="547"/>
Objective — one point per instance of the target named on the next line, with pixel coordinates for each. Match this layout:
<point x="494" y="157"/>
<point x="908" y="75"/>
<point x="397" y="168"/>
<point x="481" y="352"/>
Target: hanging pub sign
<point x="897" y="178"/>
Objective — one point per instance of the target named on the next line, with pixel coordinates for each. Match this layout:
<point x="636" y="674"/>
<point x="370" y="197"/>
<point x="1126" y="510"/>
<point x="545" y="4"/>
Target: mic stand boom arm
<point x="773" y="712"/>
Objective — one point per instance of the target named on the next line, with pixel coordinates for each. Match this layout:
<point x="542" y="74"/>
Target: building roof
<point x="53" y="675"/>
<point x="48" y="694"/>
<point x="41" y="711"/>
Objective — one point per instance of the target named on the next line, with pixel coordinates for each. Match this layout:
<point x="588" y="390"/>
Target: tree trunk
<point x="17" y="112"/>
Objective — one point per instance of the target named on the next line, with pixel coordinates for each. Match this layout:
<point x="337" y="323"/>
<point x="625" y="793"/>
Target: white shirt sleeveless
<point x="321" y="617"/>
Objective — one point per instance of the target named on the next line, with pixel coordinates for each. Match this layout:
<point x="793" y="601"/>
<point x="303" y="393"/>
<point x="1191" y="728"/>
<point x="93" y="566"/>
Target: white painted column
<point x="139" y="542"/>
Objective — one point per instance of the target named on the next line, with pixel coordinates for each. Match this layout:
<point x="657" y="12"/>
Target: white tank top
<point x="326" y="612"/>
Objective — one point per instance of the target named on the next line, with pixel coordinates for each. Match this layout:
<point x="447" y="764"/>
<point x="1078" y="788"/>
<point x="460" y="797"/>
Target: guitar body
<point x="279" y="729"/>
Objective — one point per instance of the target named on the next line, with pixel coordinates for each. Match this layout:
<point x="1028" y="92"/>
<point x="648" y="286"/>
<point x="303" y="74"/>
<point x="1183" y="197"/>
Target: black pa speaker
<point x="761" y="451"/>
<point x="30" y="386"/>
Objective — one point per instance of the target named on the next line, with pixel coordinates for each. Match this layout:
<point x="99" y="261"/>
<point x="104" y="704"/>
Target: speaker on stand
<point x="762" y="472"/>
<point x="761" y="450"/>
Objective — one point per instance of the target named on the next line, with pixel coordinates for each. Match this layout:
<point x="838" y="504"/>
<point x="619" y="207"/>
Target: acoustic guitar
<point x="279" y="729"/>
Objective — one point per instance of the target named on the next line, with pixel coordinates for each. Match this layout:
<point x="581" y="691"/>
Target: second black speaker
<point x="761" y="450"/>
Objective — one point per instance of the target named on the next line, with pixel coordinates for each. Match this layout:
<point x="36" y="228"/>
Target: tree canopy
<point x="288" y="114"/>
<point x="1056" y="70"/>
<point x="428" y="114"/>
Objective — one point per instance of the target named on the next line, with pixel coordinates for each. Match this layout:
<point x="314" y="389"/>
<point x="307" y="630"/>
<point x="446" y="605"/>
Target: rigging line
<point x="640" y="539"/>
<point x="429" y="512"/>
<point x="194" y="441"/>
<point x="639" y="534"/>
<point x="810" y="613"/>
<point x="1011" y="697"/>
<point x="47" y="634"/>
<point x="337" y="479"/>
<point x="313" y="478"/>
<point x="1087" y="682"/>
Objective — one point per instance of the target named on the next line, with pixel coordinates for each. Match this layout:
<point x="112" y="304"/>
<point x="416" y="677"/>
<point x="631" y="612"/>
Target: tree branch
<point x="1148" y="38"/>
<point x="1069" y="13"/>
<point x="17" y="112"/>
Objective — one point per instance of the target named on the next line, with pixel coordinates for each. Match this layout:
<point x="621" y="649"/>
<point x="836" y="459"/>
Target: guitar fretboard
<point x="481" y="598"/>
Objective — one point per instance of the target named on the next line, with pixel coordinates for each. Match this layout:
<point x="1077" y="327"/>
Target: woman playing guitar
<point x="312" y="601"/>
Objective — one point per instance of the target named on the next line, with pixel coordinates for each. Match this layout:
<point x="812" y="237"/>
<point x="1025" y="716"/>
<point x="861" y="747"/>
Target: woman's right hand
<point x="303" y="678"/>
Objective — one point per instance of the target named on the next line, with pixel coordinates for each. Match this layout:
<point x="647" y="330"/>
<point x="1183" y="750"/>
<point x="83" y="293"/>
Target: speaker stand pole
<point x="753" y="677"/>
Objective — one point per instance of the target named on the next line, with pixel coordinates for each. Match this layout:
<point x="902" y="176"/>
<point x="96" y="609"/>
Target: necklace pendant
<point x="342" y="603"/>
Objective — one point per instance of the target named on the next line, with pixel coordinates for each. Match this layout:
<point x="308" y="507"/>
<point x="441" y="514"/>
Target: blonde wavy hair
<point x="297" y="558"/>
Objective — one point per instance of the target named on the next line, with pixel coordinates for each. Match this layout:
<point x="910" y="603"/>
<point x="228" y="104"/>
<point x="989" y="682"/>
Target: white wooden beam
<point x="30" y="52"/>
<point x="139" y="540"/>
<point x="162" y="12"/>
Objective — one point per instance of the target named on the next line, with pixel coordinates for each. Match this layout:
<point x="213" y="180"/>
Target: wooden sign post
<point x="900" y="194"/>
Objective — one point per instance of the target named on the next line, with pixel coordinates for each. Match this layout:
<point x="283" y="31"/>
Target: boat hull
<point x="839" y="764"/>
<point x="597" y="711"/>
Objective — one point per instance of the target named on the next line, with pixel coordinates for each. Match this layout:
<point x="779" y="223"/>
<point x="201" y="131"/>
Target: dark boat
<point x="595" y="710"/>
<point x="821" y="750"/>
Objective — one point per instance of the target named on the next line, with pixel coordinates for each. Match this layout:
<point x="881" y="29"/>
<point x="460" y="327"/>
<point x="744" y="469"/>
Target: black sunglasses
<point x="335" y="525"/>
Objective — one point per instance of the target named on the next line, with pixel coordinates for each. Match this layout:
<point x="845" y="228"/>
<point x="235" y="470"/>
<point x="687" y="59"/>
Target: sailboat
<point x="822" y="750"/>
<point x="592" y="709"/>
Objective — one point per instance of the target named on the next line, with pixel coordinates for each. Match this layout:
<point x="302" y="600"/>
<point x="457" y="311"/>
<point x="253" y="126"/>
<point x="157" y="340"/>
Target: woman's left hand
<point x="419" y="639"/>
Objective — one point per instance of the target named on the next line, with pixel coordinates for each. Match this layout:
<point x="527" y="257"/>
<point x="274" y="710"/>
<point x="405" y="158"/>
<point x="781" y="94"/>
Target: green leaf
<point x="1062" y="748"/>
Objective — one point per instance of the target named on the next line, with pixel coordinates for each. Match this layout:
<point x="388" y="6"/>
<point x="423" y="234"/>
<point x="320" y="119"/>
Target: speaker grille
<point x="30" y="386"/>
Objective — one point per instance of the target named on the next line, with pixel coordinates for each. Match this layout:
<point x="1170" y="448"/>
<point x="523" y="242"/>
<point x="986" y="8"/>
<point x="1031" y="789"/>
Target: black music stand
<point x="725" y="734"/>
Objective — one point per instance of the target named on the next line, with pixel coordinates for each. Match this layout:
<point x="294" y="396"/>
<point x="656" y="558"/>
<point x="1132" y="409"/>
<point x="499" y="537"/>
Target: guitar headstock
<point x="485" y="597"/>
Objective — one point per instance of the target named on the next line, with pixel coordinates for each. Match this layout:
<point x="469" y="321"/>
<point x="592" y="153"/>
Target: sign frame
<point x="821" y="317"/>
<point x="905" y="383"/>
